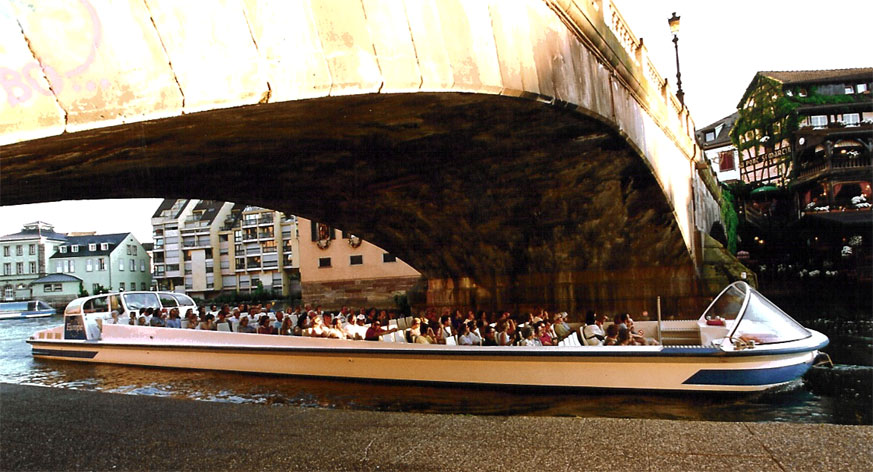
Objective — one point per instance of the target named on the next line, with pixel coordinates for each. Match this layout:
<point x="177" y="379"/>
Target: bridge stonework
<point x="514" y="151"/>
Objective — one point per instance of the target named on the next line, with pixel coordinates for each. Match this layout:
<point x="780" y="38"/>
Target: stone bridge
<point x="516" y="152"/>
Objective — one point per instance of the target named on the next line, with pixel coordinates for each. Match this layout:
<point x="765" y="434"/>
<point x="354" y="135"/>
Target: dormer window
<point x="104" y="246"/>
<point x="63" y="249"/>
<point x="850" y="90"/>
<point x="92" y="246"/>
<point x="862" y="88"/>
<point x="75" y="248"/>
<point x="710" y="136"/>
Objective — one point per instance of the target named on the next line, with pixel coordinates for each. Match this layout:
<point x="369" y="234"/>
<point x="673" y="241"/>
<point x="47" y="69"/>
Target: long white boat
<point x="742" y="342"/>
<point x="28" y="309"/>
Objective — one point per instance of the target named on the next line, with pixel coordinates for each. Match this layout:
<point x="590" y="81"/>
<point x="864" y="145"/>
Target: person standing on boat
<point x="593" y="332"/>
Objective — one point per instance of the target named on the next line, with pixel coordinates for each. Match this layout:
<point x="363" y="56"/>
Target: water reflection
<point x="792" y="403"/>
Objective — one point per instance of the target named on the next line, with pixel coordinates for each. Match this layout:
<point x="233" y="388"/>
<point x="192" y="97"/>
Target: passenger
<point x="300" y="327"/>
<point x="243" y="326"/>
<point x="222" y="320"/>
<point x="173" y="321"/>
<point x="113" y="318"/>
<point x="503" y="337"/>
<point x="624" y="337"/>
<point x="132" y="320"/>
<point x="636" y="336"/>
<point x="286" y="329"/>
<point x="191" y="318"/>
<point x="593" y="331"/>
<point x="207" y="324"/>
<point x="527" y="337"/>
<point x="611" y="335"/>
<point x="562" y="329"/>
<point x="543" y="334"/>
<point x="157" y="320"/>
<point x="277" y="323"/>
<point x="446" y="330"/>
<point x="335" y="331"/>
<point x="488" y="338"/>
<point x="141" y="321"/>
<point x="465" y="336"/>
<point x="417" y="337"/>
<point x="375" y="331"/>
<point x="213" y="310"/>
<point x="264" y="326"/>
<point x="317" y="328"/>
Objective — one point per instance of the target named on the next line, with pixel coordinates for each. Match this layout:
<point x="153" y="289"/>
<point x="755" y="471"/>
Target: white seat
<point x="392" y="324"/>
<point x="388" y="338"/>
<point x="293" y="320"/>
<point x="401" y="323"/>
<point x="223" y="327"/>
<point x="409" y="321"/>
<point x="184" y="324"/>
<point x="450" y="341"/>
<point x="400" y="336"/>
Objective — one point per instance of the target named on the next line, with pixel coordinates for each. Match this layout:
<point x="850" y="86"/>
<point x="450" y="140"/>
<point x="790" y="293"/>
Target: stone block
<point x="469" y="40"/>
<point x="212" y="53"/>
<point x="514" y="50"/>
<point x="348" y="47"/>
<point x="392" y="41"/>
<point x="433" y="59"/>
<point x="28" y="108"/>
<point x="290" y="49"/>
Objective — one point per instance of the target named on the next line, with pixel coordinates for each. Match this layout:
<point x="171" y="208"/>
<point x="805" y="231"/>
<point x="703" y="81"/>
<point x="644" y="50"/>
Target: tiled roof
<point x="723" y="138"/>
<point x="83" y="241"/>
<point x="56" y="278"/>
<point x="820" y="76"/>
<point x="33" y="234"/>
<point x="209" y="208"/>
<point x="167" y="204"/>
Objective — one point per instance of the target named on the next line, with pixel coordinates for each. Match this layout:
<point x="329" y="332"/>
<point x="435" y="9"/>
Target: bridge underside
<point x="498" y="201"/>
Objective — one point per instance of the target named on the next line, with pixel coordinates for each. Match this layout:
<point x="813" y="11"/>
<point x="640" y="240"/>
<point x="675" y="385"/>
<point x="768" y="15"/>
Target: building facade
<point x="719" y="150"/>
<point x="205" y="248"/>
<point x="24" y="258"/>
<point x="110" y="262"/>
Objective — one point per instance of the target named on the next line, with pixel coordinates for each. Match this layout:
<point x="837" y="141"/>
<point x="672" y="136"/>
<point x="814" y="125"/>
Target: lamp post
<point x="674" y="28"/>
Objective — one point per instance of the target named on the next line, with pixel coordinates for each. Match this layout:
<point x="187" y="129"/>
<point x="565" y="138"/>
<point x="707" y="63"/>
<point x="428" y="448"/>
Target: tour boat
<point x="742" y="342"/>
<point x="21" y="310"/>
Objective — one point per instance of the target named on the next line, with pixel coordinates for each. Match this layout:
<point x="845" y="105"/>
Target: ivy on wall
<point x="730" y="218"/>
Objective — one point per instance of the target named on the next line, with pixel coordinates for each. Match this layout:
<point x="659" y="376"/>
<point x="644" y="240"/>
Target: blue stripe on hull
<point x="767" y="376"/>
<point x="64" y="353"/>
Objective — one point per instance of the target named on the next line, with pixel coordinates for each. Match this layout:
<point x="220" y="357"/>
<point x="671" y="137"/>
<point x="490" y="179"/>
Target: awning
<point x="765" y="189"/>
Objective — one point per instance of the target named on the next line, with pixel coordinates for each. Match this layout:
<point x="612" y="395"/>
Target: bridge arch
<point x="503" y="146"/>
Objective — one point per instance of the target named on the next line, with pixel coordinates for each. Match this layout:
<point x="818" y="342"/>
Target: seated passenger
<point x="465" y="336"/>
<point x="264" y="326"/>
<point x="222" y="320"/>
<point x="417" y="337"/>
<point x="243" y="326"/>
<point x="157" y="320"/>
<point x="593" y="332"/>
<point x="611" y="335"/>
<point x="543" y="334"/>
<point x="286" y="328"/>
<point x="624" y="337"/>
<point x="316" y="328"/>
<point x="528" y="337"/>
<point x="335" y="331"/>
<point x="562" y="329"/>
<point x="300" y="328"/>
<point x="375" y="331"/>
<point x="488" y="336"/>
<point x="207" y="324"/>
<point x="173" y="321"/>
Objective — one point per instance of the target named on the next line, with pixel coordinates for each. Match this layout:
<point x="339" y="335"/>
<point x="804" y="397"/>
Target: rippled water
<point x="792" y="403"/>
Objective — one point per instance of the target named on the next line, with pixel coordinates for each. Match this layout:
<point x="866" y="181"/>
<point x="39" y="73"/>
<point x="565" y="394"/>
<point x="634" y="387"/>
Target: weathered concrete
<point x="260" y="99"/>
<point x="56" y="429"/>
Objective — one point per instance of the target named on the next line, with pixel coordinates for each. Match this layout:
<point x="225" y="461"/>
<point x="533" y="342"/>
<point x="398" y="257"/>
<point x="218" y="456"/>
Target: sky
<point x="721" y="47"/>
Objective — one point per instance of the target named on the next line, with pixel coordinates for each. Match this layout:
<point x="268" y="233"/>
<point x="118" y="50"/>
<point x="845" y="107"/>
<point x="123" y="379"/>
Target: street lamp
<point x="674" y="28"/>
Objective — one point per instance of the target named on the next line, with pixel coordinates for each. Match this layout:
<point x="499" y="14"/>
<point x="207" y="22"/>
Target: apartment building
<point x="24" y="258"/>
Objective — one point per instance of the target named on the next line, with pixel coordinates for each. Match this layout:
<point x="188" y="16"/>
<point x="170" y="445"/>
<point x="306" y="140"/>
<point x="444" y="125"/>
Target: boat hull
<point x="637" y="367"/>
<point x="26" y="315"/>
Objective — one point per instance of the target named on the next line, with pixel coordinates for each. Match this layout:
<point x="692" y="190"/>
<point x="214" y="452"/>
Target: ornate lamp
<point x="673" y="21"/>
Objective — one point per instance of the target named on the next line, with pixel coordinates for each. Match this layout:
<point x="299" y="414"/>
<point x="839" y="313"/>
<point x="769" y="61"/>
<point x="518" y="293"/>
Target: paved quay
<point x="57" y="429"/>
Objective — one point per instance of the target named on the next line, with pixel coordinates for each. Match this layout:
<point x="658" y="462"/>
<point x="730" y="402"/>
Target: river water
<point x="793" y="403"/>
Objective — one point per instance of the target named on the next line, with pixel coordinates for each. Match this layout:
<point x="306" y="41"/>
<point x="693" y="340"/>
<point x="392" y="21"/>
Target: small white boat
<point x="21" y="310"/>
<point x="742" y="342"/>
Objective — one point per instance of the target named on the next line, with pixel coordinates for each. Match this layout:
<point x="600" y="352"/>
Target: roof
<point x="820" y="76"/>
<point x="209" y="208"/>
<point x="83" y="241"/>
<point x="723" y="137"/>
<point x="56" y="278"/>
<point x="35" y="230"/>
<point x="167" y="204"/>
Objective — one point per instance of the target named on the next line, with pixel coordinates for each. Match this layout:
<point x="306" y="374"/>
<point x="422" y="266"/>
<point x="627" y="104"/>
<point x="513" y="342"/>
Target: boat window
<point x="74" y="307"/>
<point x="728" y="303"/>
<point x="96" y="305"/>
<point x="15" y="306"/>
<point x="184" y="300"/>
<point x="135" y="301"/>
<point x="168" y="301"/>
<point x="41" y="305"/>
<point x="764" y="323"/>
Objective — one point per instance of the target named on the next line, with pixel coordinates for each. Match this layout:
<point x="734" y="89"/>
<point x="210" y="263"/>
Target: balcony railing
<point x="841" y="163"/>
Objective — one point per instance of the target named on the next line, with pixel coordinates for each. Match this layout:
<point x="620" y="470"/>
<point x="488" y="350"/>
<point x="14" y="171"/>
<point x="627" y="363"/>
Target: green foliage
<point x="82" y="291"/>
<point x="100" y="289"/>
<point x="729" y="216"/>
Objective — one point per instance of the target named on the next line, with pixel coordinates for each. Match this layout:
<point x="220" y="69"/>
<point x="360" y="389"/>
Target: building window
<point x="63" y="249"/>
<point x="133" y="248"/>
<point x="388" y="258"/>
<point x="19" y="251"/>
<point x="818" y="121"/>
<point x="7" y="268"/>
<point x="89" y="265"/>
<point x="121" y="265"/>
<point x="142" y="286"/>
<point x="32" y="249"/>
<point x="33" y="267"/>
<point x="47" y="288"/>
<point x="104" y="246"/>
<point x="710" y="136"/>
<point x="101" y="264"/>
<point x="133" y="265"/>
<point x="726" y="161"/>
<point x="356" y="260"/>
<point x="75" y="248"/>
<point x="59" y="266"/>
<point x="19" y="267"/>
<point x="850" y="90"/>
<point x="92" y="246"/>
<point x="142" y="267"/>
<point x="71" y="266"/>
<point x="862" y="88"/>
<point x="323" y="262"/>
<point x="121" y="286"/>
<point x="6" y="251"/>
<point x="851" y="119"/>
